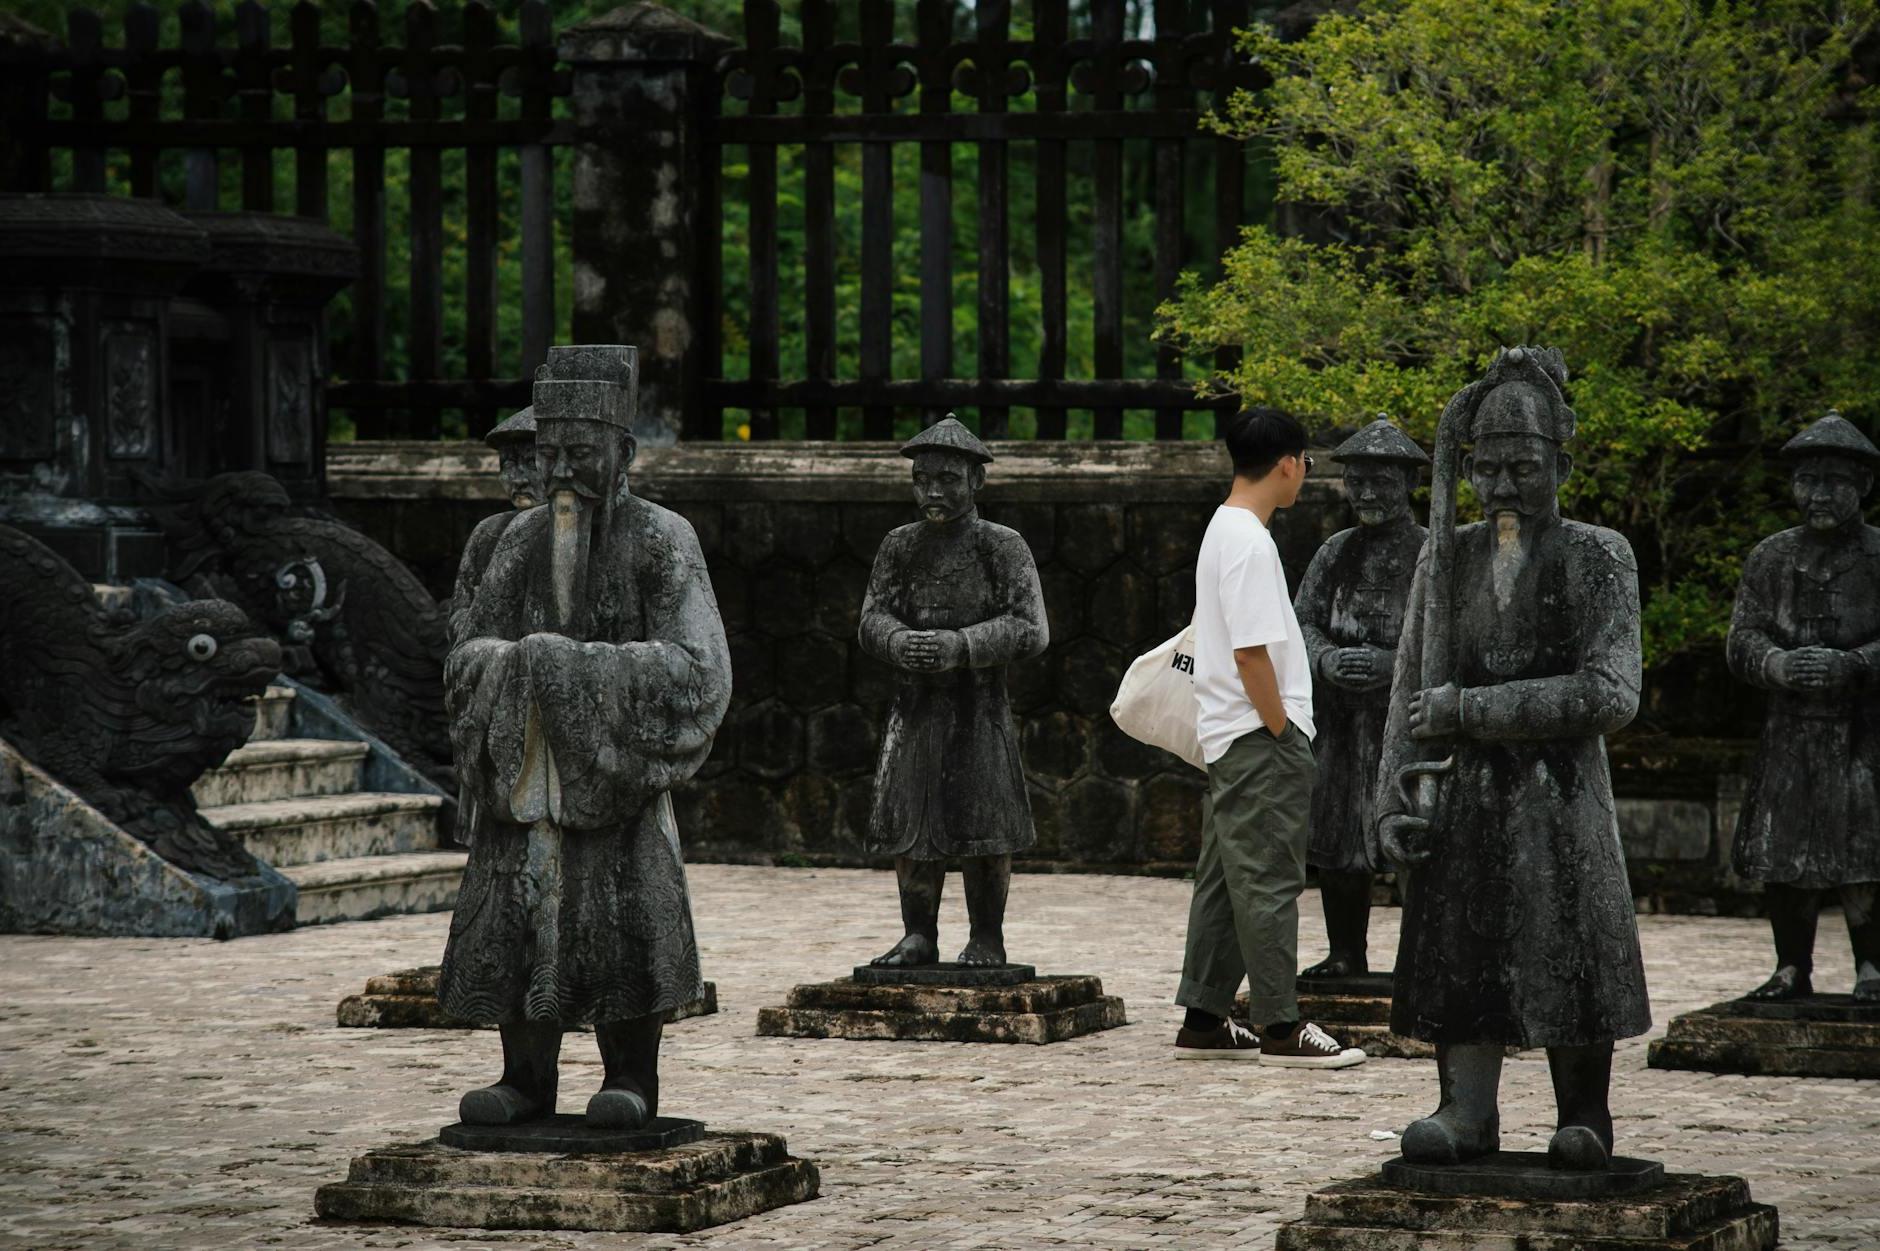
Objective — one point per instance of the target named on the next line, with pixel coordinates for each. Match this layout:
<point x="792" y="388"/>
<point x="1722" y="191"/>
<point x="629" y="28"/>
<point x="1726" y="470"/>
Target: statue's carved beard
<point x="568" y="553"/>
<point x="1510" y="555"/>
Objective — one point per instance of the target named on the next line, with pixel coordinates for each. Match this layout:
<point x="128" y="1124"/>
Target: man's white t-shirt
<point x="1241" y="600"/>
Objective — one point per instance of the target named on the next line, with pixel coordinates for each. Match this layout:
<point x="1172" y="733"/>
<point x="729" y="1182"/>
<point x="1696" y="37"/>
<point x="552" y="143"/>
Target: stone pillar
<point x="643" y="82"/>
<point x="249" y="351"/>
<point x="85" y="289"/>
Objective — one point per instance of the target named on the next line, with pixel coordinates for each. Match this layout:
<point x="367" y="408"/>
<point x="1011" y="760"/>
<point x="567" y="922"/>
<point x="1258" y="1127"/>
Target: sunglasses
<point x="1307" y="461"/>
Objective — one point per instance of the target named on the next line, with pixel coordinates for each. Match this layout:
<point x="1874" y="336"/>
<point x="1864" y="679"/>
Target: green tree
<point x="1679" y="194"/>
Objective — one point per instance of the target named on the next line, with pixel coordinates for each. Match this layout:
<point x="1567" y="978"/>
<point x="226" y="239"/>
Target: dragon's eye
<point x="200" y="646"/>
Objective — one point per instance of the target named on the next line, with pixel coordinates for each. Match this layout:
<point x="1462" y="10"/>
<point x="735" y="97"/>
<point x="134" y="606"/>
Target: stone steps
<point x="309" y="829"/>
<point x="364" y="887"/>
<point x="282" y="768"/>
<point x="296" y="804"/>
<point x="273" y="713"/>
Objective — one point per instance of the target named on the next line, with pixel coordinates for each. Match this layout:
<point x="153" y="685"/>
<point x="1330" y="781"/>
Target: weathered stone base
<point x="1048" y="1010"/>
<point x="723" y="1177"/>
<point x="1686" y="1212"/>
<point x="1820" y="1036"/>
<point x="1355" y="1011"/>
<point x="407" y="999"/>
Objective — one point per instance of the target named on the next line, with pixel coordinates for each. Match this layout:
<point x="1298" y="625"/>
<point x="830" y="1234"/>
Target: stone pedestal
<point x="946" y="1003"/>
<point x="1513" y="1202"/>
<point x="1818" y="1036"/>
<point x="560" y="1174"/>
<point x="1355" y="1011"/>
<point x="407" y="999"/>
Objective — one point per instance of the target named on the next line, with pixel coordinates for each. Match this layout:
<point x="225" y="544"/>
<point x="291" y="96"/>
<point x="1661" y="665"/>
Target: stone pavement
<point x="182" y="1093"/>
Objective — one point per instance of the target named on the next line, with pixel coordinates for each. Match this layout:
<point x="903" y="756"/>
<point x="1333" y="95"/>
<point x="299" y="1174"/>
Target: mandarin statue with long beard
<point x="1520" y="652"/>
<point x="952" y="600"/>
<point x="1807" y="630"/>
<point x="587" y="675"/>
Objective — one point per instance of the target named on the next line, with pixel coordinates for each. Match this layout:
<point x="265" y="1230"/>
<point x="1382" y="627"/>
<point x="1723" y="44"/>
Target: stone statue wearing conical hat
<point x="952" y="600"/>
<point x="514" y="441"/>
<point x="1807" y="630"/>
<point x="1350" y="607"/>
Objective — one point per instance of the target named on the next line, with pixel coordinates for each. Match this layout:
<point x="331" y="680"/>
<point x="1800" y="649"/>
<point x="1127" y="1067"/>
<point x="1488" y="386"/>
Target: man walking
<point x="1253" y="694"/>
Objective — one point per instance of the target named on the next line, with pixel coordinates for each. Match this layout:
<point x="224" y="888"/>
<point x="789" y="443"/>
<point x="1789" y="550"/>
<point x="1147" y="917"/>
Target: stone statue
<point x="1350" y="607"/>
<point x="374" y="635"/>
<point x="514" y="441"/>
<point x="951" y="601"/>
<point x="1807" y="629"/>
<point x="1520" y="652"/>
<point x="588" y="672"/>
<point x="128" y="714"/>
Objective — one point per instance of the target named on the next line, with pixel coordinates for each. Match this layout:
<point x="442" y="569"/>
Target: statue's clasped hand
<point x="1436" y="712"/>
<point x="1814" y="668"/>
<point x="929" y="651"/>
<point x="1359" y="668"/>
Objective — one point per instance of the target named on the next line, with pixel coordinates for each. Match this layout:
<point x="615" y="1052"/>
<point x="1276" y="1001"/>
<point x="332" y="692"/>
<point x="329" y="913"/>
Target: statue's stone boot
<point x="1467" y="1122"/>
<point x="1450" y="1137"/>
<point x="988" y="882"/>
<point x="498" y="1105"/>
<point x="1582" y="1079"/>
<point x="1787" y="982"/>
<point x="1347" y="901"/>
<point x="920" y="883"/>
<point x="1578" y="1147"/>
<point x="629" y="1093"/>
<point x="1861" y="903"/>
<point x="531" y="1056"/>
<point x="1793" y="914"/>
<point x="618" y="1109"/>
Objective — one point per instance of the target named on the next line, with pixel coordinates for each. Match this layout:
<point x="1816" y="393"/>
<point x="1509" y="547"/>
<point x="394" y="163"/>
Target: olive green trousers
<point x="1243" y="921"/>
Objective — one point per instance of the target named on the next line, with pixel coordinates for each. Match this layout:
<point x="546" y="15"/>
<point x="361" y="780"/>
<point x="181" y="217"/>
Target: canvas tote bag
<point x="1156" y="702"/>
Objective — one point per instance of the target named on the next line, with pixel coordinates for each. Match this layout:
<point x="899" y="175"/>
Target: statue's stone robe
<point x="1811" y="817"/>
<point x="1518" y="930"/>
<point x="948" y="781"/>
<point x="628" y="716"/>
<point x="1353" y="594"/>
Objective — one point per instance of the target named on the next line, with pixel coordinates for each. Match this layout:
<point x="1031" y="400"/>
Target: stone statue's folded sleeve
<point x="628" y="721"/>
<point x="879" y="624"/>
<point x="1021" y="631"/>
<point x="1753" y="621"/>
<point x="1602" y="693"/>
<point x="1406" y="680"/>
<point x="486" y="693"/>
<point x="1313" y="608"/>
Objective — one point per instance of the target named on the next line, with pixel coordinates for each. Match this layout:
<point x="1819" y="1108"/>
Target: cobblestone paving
<point x="159" y="1094"/>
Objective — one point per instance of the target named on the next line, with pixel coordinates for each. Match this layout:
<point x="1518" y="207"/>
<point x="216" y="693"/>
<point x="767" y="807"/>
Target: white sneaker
<point x="1309" y="1047"/>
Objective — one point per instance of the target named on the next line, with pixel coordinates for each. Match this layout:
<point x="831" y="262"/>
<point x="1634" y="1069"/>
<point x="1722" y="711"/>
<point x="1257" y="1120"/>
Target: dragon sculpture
<point x="127" y="713"/>
<point x="355" y="621"/>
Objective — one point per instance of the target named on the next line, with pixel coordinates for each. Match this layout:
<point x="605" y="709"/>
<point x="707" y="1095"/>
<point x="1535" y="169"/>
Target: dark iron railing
<point x="232" y="118"/>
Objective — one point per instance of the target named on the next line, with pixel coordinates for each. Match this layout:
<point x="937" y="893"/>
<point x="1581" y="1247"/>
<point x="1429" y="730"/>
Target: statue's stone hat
<point x="947" y="435"/>
<point x="1535" y="400"/>
<point x="589" y="382"/>
<point x="519" y="428"/>
<point x="1381" y="441"/>
<point x="1833" y="435"/>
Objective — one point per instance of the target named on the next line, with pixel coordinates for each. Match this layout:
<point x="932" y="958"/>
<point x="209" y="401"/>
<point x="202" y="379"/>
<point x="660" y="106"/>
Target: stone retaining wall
<point x="790" y="530"/>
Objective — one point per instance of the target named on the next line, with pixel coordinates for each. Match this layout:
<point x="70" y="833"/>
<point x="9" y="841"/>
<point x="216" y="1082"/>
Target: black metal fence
<point x="459" y="140"/>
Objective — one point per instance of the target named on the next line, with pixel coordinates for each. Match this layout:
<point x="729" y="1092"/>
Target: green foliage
<point x="1678" y="194"/>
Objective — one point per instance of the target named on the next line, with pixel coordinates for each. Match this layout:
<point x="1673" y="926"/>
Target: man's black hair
<point x="1258" y="437"/>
